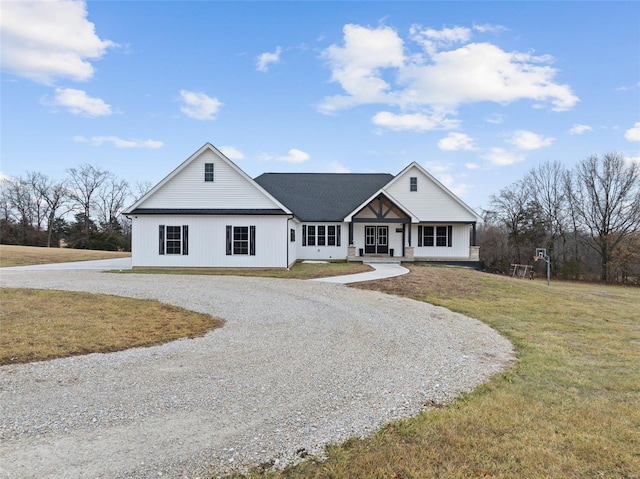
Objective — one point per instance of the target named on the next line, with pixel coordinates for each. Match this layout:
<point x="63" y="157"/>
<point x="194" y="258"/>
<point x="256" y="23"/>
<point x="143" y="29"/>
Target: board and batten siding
<point x="459" y="244"/>
<point x="430" y="202"/>
<point x="207" y="242"/>
<point x="323" y="252"/>
<point x="229" y="189"/>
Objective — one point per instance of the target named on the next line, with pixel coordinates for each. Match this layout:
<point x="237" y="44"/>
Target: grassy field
<point x="569" y="409"/>
<point x="297" y="271"/>
<point x="36" y="325"/>
<point x="27" y="255"/>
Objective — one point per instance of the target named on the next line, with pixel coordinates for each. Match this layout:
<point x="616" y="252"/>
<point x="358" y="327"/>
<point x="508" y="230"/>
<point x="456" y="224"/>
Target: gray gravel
<point x="298" y="365"/>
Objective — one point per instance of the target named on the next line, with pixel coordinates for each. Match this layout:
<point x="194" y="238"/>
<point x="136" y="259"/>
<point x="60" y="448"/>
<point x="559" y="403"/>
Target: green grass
<point x="570" y="408"/>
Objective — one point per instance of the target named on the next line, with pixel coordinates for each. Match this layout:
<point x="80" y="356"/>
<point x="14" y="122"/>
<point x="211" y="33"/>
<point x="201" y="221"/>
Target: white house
<point x="209" y="213"/>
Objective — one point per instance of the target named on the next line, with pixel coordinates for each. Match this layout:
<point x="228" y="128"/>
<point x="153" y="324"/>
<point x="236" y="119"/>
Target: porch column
<point x="350" y="233"/>
<point x="473" y="235"/>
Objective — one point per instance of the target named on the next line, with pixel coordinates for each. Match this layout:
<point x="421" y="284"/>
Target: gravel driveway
<point x="298" y="365"/>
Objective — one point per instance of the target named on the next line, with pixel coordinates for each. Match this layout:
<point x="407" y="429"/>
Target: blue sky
<point x="476" y="92"/>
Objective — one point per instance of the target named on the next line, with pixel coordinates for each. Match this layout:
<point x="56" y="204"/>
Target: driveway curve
<point x="298" y="365"/>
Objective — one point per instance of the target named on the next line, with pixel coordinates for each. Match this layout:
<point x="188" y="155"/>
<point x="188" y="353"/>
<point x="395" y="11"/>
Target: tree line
<point x="587" y="218"/>
<point x="82" y="210"/>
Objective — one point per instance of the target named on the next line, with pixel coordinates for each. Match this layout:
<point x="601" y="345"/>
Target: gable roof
<point x="322" y="196"/>
<point x="138" y="206"/>
<point x="443" y="188"/>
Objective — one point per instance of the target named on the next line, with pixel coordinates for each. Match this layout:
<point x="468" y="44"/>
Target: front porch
<point x="357" y="255"/>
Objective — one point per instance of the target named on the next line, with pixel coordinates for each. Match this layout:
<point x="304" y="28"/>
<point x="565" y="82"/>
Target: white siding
<point x="323" y="252"/>
<point x="187" y="189"/>
<point x="207" y="241"/>
<point x="430" y="202"/>
<point x="459" y="244"/>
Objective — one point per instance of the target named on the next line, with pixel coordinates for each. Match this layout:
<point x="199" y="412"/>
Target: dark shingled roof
<point x="322" y="196"/>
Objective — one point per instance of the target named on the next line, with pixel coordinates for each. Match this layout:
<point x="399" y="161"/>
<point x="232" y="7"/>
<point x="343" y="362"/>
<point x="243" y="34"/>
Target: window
<point x="413" y="183"/>
<point x="322" y="238"/>
<point x="241" y="240"/>
<point x="321" y="235"/>
<point x="208" y="172"/>
<point x="173" y="240"/>
<point x="428" y="236"/>
<point x="292" y="235"/>
<point x="311" y="235"/>
<point x="331" y="235"/>
<point x="435" y="235"/>
<point x="441" y="236"/>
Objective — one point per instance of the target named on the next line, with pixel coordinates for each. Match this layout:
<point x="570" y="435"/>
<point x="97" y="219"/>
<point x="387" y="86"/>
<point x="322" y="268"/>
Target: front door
<point x="376" y="239"/>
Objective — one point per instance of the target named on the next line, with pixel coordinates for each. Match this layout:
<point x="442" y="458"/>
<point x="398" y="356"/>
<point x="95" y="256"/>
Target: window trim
<point x="231" y="240"/>
<point x="182" y="241"/>
<point x="413" y="183"/>
<point x="430" y="236"/>
<point x="318" y="234"/>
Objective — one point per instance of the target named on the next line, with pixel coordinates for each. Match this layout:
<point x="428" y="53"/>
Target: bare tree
<point x="605" y="196"/>
<point x="55" y="195"/>
<point x="111" y="198"/>
<point x="20" y="206"/>
<point x="84" y="183"/>
<point x="141" y="189"/>
<point x="517" y="209"/>
<point x="548" y="189"/>
<point x="34" y="182"/>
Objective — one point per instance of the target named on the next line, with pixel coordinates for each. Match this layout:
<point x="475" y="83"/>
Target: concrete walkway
<point x="381" y="271"/>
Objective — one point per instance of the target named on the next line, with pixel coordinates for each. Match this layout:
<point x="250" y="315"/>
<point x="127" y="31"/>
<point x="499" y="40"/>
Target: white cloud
<point x="265" y="59"/>
<point x="46" y="40"/>
<point x="472" y="166"/>
<point x="527" y="140"/>
<point x="232" y="153"/>
<point x="337" y="167"/>
<point x="489" y="28"/>
<point x="501" y="157"/>
<point x="459" y="189"/>
<point x="413" y="121"/>
<point x="479" y="72"/>
<point x="294" y="156"/>
<point x="633" y="133"/>
<point x="442" y="171"/>
<point x="199" y="106"/>
<point x="357" y="66"/>
<point x="79" y="103"/>
<point x="495" y="119"/>
<point x="375" y="66"/>
<point x="433" y="40"/>
<point x="456" y="141"/>
<point x="579" y="129"/>
<point x="119" y="142"/>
